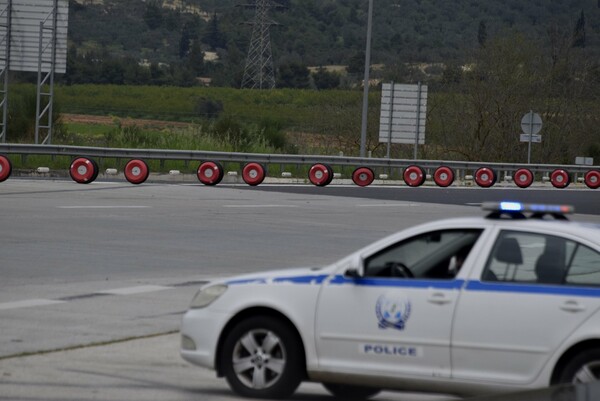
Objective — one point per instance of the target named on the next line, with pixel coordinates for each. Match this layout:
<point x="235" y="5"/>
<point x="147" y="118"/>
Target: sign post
<point x="531" y="124"/>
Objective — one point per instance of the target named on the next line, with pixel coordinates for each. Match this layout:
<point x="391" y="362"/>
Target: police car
<point x="463" y="306"/>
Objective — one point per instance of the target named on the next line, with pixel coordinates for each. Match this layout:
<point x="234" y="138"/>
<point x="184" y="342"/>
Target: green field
<point x="460" y="125"/>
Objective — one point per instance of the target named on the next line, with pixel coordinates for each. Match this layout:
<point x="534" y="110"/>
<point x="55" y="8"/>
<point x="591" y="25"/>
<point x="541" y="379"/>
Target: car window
<point x="436" y="254"/>
<point x="543" y="259"/>
<point x="585" y="266"/>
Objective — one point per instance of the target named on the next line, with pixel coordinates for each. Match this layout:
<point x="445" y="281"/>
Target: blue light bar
<point x="511" y="206"/>
<point x="507" y="207"/>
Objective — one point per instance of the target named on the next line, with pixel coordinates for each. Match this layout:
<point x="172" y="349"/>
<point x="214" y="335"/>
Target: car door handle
<point x="572" y="306"/>
<point x="439" y="298"/>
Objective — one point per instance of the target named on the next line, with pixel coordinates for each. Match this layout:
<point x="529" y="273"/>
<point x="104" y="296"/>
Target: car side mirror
<point x="356" y="270"/>
<point x="352" y="273"/>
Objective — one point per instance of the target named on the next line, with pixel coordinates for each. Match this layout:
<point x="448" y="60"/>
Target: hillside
<point x="319" y="32"/>
<point x="330" y="31"/>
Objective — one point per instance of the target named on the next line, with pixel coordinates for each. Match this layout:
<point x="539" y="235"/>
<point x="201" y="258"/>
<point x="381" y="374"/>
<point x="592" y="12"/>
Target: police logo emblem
<point x="392" y="312"/>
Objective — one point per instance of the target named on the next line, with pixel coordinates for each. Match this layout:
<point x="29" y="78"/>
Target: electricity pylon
<point x="259" y="72"/>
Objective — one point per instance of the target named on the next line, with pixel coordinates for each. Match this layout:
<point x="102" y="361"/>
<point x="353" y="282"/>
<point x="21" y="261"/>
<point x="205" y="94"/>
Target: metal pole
<point x="6" y="70"/>
<point x="418" y="119"/>
<point x="530" y="136"/>
<point x="390" y="121"/>
<point x="52" y="69"/>
<point x="38" y="100"/>
<point x="365" y="107"/>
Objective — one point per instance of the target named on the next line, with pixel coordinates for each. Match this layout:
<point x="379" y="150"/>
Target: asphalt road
<point x="95" y="277"/>
<point x="586" y="201"/>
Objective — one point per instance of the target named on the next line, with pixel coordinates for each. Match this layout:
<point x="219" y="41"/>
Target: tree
<point x="214" y="37"/>
<point x="478" y="120"/>
<point x="482" y="34"/>
<point x="293" y="75"/>
<point x="184" y="42"/>
<point x="325" y="79"/>
<point x="196" y="58"/>
<point x="451" y="75"/>
<point x="579" y="32"/>
<point x="153" y="15"/>
<point x="157" y="74"/>
<point x="356" y="64"/>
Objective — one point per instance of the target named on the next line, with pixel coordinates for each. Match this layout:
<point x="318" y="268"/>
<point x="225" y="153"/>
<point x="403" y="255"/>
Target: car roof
<point x="590" y="231"/>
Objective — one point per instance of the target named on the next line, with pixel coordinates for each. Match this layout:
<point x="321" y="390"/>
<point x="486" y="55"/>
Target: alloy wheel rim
<point x="589" y="372"/>
<point x="259" y="359"/>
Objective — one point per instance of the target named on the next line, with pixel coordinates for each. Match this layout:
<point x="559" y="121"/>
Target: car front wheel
<point x="262" y="358"/>
<point x="583" y="368"/>
<point x="349" y="392"/>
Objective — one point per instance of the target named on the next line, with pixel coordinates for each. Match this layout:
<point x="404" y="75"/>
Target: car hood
<point x="305" y="275"/>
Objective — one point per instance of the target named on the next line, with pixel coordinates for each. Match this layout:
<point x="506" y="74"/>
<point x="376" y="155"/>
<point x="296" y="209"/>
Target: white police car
<point x="522" y="311"/>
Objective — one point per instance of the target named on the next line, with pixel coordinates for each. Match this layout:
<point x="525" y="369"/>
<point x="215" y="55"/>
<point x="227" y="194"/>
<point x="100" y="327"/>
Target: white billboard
<point x="403" y="113"/>
<point x="24" y="20"/>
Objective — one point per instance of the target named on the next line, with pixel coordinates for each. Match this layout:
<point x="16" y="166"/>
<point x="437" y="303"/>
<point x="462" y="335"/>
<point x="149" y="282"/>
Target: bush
<point x="208" y="108"/>
<point x="22" y="114"/>
<point x="272" y="132"/>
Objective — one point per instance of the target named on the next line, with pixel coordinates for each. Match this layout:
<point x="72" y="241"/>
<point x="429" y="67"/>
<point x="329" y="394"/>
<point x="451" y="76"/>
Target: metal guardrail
<point x="84" y="168"/>
<point x="193" y="155"/>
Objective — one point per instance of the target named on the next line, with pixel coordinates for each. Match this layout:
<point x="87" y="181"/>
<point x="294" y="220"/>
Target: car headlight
<point x="207" y="295"/>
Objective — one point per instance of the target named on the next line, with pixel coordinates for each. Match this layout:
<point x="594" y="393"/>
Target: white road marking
<point x="141" y="289"/>
<point x="387" y="205"/>
<point x="257" y="206"/>
<point x="135" y="290"/>
<point x="103" y="207"/>
<point x="28" y="303"/>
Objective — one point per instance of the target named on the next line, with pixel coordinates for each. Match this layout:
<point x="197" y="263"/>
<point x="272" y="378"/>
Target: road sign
<point x="531" y="123"/>
<point x="32" y="21"/>
<point x="403" y="114"/>
<point x="534" y="138"/>
<point x="586" y="161"/>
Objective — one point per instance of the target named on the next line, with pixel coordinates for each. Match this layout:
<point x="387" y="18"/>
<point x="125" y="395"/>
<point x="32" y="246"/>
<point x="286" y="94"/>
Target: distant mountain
<point x="329" y="31"/>
<point x="324" y="32"/>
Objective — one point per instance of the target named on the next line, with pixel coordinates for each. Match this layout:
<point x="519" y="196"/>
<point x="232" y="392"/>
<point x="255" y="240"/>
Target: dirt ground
<point x="110" y="120"/>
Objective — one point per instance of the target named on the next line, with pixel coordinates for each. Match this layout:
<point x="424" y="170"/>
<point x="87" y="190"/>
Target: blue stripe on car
<point x="312" y="279"/>
<point x="471" y="285"/>
<point x="406" y="283"/>
<point x="525" y="288"/>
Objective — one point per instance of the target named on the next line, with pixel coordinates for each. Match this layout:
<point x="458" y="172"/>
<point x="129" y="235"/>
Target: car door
<point x="530" y="296"/>
<point x="384" y="322"/>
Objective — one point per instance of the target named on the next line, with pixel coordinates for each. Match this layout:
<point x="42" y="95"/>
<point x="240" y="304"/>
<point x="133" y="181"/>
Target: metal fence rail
<point x="194" y="155"/>
<point x="84" y="169"/>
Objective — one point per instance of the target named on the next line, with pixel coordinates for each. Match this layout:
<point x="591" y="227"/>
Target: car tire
<point x="210" y="173"/>
<point x="592" y="179"/>
<point x="254" y="174"/>
<point x="363" y="176"/>
<point x="331" y="174"/>
<point x="83" y="170"/>
<point x="414" y="176"/>
<point x="5" y="168"/>
<point x="350" y="392"/>
<point x="274" y="371"/>
<point x="485" y="177"/>
<point x="582" y="368"/>
<point x="560" y="178"/>
<point x="96" y="170"/>
<point x="443" y="176"/>
<point x="136" y="171"/>
<point x="523" y="178"/>
<point x="320" y="175"/>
